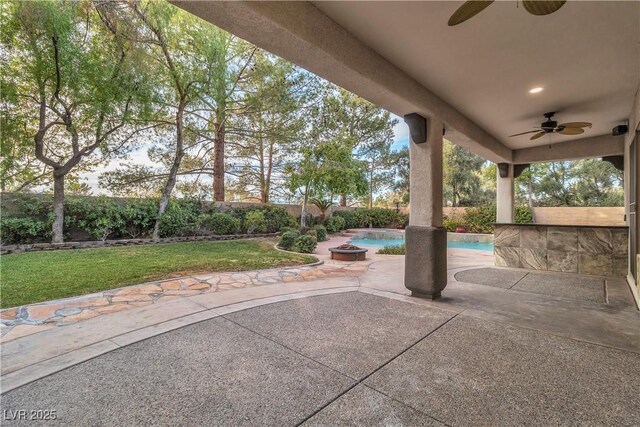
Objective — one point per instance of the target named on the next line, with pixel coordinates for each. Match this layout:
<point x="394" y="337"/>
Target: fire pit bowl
<point x="348" y="253"/>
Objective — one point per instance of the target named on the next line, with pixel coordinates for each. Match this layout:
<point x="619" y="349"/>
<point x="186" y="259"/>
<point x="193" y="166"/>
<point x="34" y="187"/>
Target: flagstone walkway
<point x="30" y="319"/>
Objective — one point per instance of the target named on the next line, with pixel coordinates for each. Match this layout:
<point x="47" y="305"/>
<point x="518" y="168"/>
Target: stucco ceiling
<point x="586" y="56"/>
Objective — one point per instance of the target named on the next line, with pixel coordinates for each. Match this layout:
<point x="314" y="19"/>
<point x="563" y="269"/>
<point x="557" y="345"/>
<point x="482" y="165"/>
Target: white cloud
<point x="400" y="133"/>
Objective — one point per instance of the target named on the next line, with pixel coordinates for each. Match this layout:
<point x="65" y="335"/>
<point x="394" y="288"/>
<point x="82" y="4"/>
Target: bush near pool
<point x="306" y="244"/>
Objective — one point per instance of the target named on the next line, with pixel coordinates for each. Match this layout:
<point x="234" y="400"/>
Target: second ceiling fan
<point x="471" y="8"/>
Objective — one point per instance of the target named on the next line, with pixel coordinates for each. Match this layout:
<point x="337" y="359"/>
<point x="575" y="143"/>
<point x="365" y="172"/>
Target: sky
<point x="139" y="156"/>
<point x="400" y="133"/>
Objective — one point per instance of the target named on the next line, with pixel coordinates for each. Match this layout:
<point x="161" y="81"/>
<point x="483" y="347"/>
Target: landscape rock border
<point x="34" y="247"/>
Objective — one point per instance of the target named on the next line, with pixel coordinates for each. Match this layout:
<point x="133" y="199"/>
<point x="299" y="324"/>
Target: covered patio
<point x="477" y="84"/>
<point x="434" y="338"/>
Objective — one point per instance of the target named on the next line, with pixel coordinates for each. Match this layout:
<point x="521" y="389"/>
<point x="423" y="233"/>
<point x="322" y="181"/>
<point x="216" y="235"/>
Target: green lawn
<point x="41" y="276"/>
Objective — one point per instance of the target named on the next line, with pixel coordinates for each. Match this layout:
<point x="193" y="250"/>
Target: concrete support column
<point x="505" y="192"/>
<point x="426" y="239"/>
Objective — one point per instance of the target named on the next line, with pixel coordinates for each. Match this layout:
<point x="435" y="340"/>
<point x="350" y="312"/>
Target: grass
<point x="41" y="276"/>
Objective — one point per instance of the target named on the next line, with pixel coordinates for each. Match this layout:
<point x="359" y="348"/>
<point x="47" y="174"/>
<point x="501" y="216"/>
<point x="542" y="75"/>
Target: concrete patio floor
<point x="502" y="347"/>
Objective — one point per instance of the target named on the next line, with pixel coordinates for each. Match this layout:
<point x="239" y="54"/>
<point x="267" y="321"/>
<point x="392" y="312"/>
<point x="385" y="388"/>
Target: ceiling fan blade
<point x="575" y="125"/>
<point x="541" y="8"/>
<point x="537" y="135"/>
<point x="524" y="133"/>
<point x="467" y="11"/>
<point x="571" y="131"/>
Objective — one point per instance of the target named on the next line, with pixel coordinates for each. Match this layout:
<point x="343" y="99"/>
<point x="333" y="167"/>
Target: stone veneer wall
<point x="601" y="251"/>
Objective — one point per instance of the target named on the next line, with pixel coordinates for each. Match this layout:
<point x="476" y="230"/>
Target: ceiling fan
<point x="551" y="126"/>
<point x="471" y="8"/>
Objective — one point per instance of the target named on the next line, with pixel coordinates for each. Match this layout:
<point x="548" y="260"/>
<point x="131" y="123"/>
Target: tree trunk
<point x="173" y="172"/>
<point x="267" y="184"/>
<point x="58" y="208"/>
<point x="371" y="187"/>
<point x="218" y="164"/>
<point x="343" y="200"/>
<point x="303" y="211"/>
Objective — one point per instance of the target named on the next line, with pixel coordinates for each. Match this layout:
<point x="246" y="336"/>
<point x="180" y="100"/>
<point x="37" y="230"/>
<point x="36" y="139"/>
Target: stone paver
<point x="40" y="316"/>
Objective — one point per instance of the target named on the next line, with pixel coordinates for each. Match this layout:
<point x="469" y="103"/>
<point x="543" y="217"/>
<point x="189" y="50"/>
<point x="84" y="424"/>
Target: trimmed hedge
<point x="106" y="218"/>
<point x="23" y="230"/>
<point x="374" y="217"/>
<point x="219" y="223"/>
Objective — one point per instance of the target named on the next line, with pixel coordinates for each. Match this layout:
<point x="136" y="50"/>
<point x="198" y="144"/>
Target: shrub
<point x="306" y="244"/>
<point x="23" y="230"/>
<point x="403" y="219"/>
<point x="180" y="218"/>
<point x="100" y="217"/>
<point x="312" y="232"/>
<point x="349" y="218"/>
<point x="286" y="229"/>
<point x="393" y="250"/>
<point x="321" y="233"/>
<point x="139" y="217"/>
<point x="275" y="217"/>
<point x="255" y="222"/>
<point x="374" y="217"/>
<point x="288" y="240"/>
<point x="334" y="224"/>
<point x="361" y="218"/>
<point x="480" y="219"/>
<point x="524" y="215"/>
<point x="453" y="221"/>
<point x="29" y="205"/>
<point x="219" y="223"/>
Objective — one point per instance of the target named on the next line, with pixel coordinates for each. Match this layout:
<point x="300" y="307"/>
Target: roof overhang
<point x="390" y="52"/>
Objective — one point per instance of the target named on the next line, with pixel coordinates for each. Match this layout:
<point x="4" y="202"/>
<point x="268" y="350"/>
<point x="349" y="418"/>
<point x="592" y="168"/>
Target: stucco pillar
<point x="426" y="239"/>
<point x="505" y="211"/>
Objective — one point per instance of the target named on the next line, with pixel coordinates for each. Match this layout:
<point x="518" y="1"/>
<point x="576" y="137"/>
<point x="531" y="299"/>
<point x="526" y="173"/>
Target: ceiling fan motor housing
<point x="549" y="125"/>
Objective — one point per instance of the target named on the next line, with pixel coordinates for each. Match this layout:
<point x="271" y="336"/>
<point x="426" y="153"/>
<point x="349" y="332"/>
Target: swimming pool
<point x="382" y="238"/>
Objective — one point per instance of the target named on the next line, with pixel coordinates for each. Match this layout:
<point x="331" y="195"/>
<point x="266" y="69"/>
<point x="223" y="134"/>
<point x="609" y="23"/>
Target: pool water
<point x="397" y="242"/>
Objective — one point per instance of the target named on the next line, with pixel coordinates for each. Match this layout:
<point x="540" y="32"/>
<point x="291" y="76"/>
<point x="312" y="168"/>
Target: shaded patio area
<point x="507" y="349"/>
<point x="343" y="359"/>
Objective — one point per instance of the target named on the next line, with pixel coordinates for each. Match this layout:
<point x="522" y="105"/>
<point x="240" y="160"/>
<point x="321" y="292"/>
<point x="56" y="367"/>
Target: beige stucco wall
<point x="567" y="215"/>
<point x="579" y="216"/>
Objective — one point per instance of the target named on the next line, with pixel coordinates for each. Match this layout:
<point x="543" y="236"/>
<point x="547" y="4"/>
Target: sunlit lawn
<point x="41" y="276"/>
